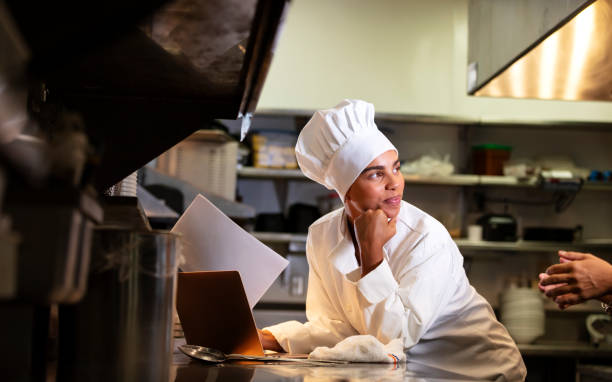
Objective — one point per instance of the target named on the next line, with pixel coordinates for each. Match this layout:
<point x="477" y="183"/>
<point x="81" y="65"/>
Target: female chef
<point x="383" y="267"/>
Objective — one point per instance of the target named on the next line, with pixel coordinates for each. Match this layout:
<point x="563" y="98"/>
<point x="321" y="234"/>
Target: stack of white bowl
<point x="522" y="312"/>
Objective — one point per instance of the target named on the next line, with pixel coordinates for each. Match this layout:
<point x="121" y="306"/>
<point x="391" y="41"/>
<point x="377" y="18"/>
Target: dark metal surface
<point x="145" y="76"/>
<point x="122" y="328"/>
<point x="186" y="370"/>
<point x="271" y="16"/>
<point x="57" y="32"/>
<point x="55" y="226"/>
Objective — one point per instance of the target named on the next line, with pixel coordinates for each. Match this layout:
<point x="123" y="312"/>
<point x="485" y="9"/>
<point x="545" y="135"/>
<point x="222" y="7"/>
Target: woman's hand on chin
<point x="372" y="229"/>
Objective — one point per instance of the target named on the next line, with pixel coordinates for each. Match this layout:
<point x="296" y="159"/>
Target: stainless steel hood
<point x="546" y="49"/>
<point x="142" y="74"/>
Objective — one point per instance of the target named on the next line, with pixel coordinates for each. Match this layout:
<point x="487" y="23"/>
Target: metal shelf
<point x="270" y="173"/>
<point x="565" y="349"/>
<point x="532" y="246"/>
<point x="450" y="180"/>
<point x="280" y="237"/>
<point x="472" y="180"/>
<point x="597" y="186"/>
<point x="453" y="120"/>
<point x="589" y="306"/>
<point x="492" y="180"/>
<point x="464" y="244"/>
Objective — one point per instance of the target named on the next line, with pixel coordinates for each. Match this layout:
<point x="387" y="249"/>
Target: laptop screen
<point x="214" y="312"/>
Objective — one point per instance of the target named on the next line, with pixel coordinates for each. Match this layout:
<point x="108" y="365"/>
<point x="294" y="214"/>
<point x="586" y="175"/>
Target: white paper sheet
<point x="213" y="242"/>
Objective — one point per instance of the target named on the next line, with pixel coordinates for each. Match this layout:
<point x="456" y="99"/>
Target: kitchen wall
<point x="405" y="56"/>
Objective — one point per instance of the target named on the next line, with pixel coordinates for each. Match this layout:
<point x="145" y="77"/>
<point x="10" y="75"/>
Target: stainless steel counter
<point x="566" y="350"/>
<point x="259" y="372"/>
<point x="184" y="369"/>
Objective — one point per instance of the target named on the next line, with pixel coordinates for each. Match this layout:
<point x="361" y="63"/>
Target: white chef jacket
<point x="419" y="293"/>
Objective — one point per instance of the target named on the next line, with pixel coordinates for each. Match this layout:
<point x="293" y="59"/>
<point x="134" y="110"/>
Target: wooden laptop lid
<point x="214" y="312"/>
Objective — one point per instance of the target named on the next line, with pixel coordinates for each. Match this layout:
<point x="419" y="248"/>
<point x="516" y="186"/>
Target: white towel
<point x="362" y="348"/>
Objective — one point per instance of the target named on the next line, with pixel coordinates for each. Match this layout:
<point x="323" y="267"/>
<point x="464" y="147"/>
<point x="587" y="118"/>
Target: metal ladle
<point x="216" y="356"/>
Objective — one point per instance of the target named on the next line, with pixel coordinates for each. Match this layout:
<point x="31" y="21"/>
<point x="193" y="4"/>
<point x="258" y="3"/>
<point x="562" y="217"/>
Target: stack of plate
<point x="522" y="312"/>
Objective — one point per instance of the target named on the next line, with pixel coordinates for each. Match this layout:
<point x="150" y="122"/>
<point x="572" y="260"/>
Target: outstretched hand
<point x="578" y="277"/>
<point x="372" y="229"/>
<point x="546" y="288"/>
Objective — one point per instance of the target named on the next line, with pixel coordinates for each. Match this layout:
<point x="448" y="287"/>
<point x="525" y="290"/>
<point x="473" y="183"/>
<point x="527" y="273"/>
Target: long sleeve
<point x="407" y="303"/>
<point x="419" y="293"/>
<point x="326" y="326"/>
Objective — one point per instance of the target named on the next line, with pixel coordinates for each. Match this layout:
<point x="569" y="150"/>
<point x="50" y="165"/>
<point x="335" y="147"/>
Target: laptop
<point x="214" y="312"/>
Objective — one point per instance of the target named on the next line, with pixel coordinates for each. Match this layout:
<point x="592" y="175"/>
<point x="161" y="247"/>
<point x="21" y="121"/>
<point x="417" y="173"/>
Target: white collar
<point x="342" y="254"/>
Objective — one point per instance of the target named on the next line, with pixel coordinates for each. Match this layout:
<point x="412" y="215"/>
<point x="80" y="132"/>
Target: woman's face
<point x="380" y="185"/>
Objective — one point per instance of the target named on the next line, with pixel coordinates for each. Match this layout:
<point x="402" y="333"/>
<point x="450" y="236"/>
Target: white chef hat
<point x="337" y="144"/>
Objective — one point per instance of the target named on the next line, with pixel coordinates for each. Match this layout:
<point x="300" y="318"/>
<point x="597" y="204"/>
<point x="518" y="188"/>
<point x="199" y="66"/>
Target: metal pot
<point x="122" y="328"/>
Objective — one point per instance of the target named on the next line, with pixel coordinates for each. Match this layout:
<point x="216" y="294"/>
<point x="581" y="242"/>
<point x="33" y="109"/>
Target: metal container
<point x="54" y="254"/>
<point x="122" y="328"/>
